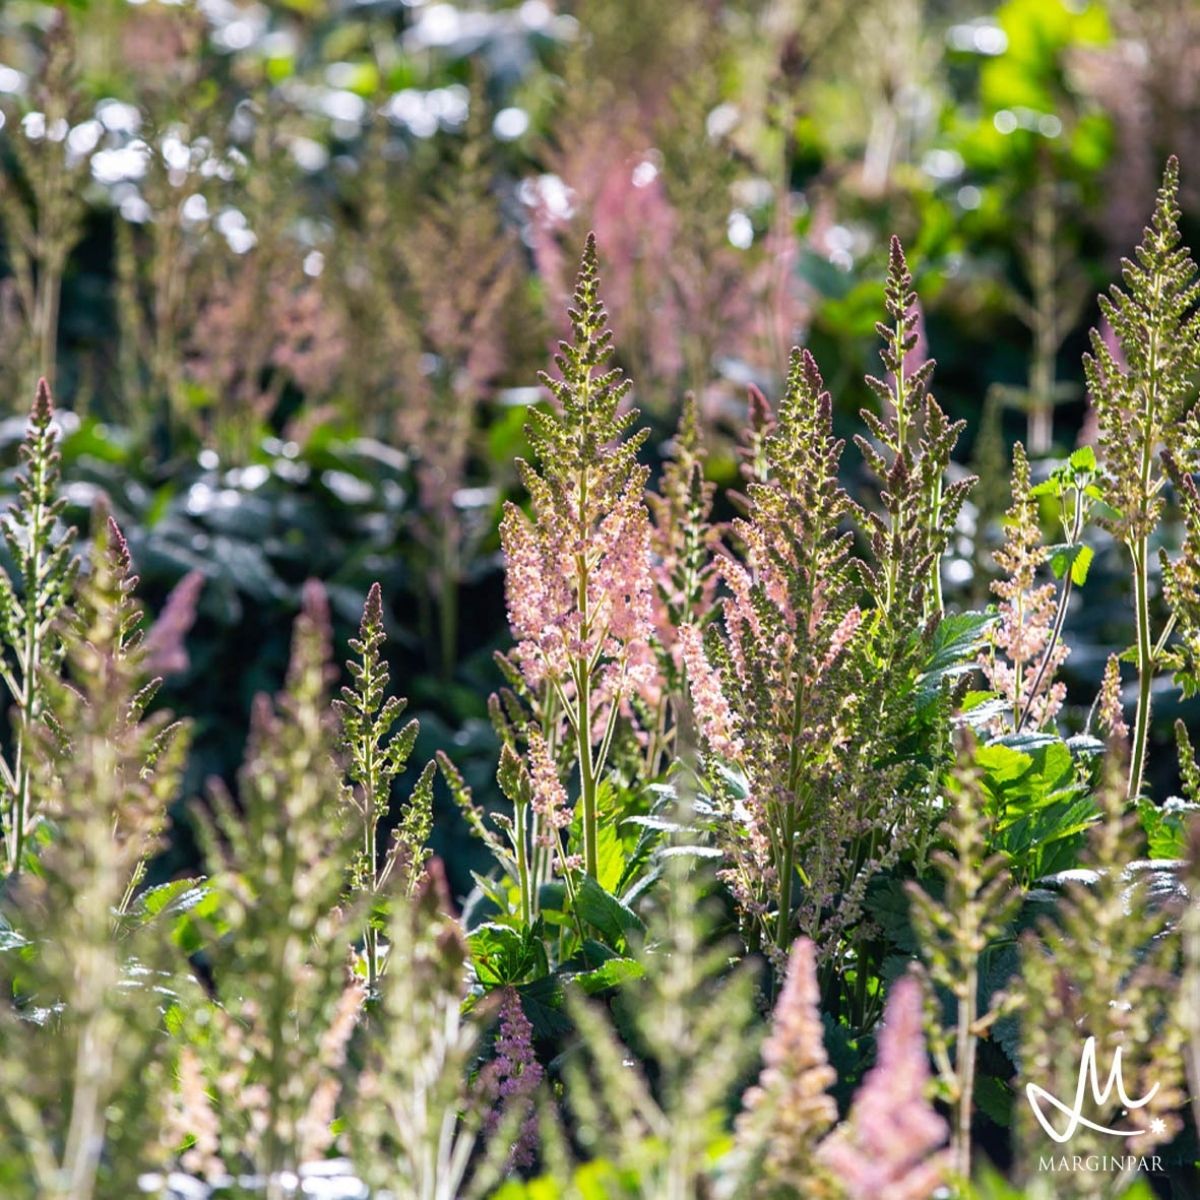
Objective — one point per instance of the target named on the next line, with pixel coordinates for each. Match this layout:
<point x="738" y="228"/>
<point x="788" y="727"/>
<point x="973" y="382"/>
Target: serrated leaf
<point x="610" y="974"/>
<point x="603" y="911"/>
<point x="1076" y="558"/>
<point x="1083" y="459"/>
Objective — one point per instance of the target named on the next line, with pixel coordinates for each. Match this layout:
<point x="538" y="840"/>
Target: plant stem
<point x="965" y="1063"/>
<point x="1140" y="551"/>
<point x="788" y="870"/>
<point x="522" y="862"/>
<point x="587" y="772"/>
<point x="372" y="936"/>
<point x="1145" y="662"/>
<point x="31" y="655"/>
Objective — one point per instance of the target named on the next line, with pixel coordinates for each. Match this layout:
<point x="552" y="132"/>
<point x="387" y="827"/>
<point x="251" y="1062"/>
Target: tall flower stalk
<point x="30" y="631"/>
<point x="376" y="755"/>
<point x="909" y="452"/>
<point x="777" y="691"/>
<point x="954" y="932"/>
<point x="80" y="1081"/>
<point x="1143" y="394"/>
<point x="579" y="587"/>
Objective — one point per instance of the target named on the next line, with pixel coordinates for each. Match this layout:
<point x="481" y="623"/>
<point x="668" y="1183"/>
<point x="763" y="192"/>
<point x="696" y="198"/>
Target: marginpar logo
<point x="1089" y="1077"/>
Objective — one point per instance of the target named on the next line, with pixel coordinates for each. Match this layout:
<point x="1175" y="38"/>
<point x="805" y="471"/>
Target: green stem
<point x="784" y="922"/>
<point x="1145" y="662"/>
<point x="965" y="1062"/>
<point x="521" y="837"/>
<point x="587" y="773"/>
<point x="372" y="937"/>
<point x="31" y="655"/>
<point x="1140" y="551"/>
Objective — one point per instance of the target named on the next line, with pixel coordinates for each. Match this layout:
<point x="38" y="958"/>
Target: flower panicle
<point x="891" y="1144"/>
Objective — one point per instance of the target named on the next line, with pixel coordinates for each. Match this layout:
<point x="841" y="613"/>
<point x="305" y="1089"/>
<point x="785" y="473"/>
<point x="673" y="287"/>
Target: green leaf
<point x="887" y="902"/>
<point x="1166" y="827"/>
<point x="177" y="896"/>
<point x="1077" y="559"/>
<point x="503" y="955"/>
<point x="994" y="1098"/>
<point x="1083" y="459"/>
<point x="605" y="912"/>
<point x="956" y="644"/>
<point x="542" y="1002"/>
<point x="610" y="974"/>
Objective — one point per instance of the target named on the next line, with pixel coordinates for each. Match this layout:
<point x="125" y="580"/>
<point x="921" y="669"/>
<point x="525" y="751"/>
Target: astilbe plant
<point x="579" y="589"/>
<point x="890" y="1144"/>
<point x="909" y="451"/>
<point x="1144" y="397"/>
<point x="30" y="611"/>
<point x="773" y="693"/>
<point x="683" y="542"/>
<point x="376" y="755"/>
<point x="1025" y="650"/>
<point x="791" y="689"/>
<point x="955" y="931"/>
<point x="416" y="1124"/>
<point x="1102" y="966"/>
<point x="81" y="1032"/>
<point x="1181" y="579"/>
<point x="786" y="1114"/>
<point x="689" y="1020"/>
<point x="285" y="1003"/>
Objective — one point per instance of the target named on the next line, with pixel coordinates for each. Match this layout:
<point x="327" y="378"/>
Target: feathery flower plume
<point x="31" y="604"/>
<point x="512" y="1077"/>
<point x="579" y="584"/>
<point x="909" y="451"/>
<point x="890" y="1146"/>
<point x="1027" y="612"/>
<point x="165" y="644"/>
<point x="1109" y="712"/>
<point x="376" y="753"/>
<point x="789" y="1109"/>
<point x="1143" y="396"/>
<point x="1181" y="580"/>
<point x="549" y="797"/>
<point x="778" y="688"/>
<point x="718" y="725"/>
<point x="196" y="1120"/>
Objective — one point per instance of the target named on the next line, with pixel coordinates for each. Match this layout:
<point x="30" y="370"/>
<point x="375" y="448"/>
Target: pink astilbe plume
<point x="780" y="692"/>
<point x="718" y="725"/>
<point x="618" y="189"/>
<point x="165" y="644"/>
<point x="510" y="1080"/>
<point x="1110" y="713"/>
<point x="789" y="1108"/>
<point x="1014" y="665"/>
<point x="549" y="800"/>
<point x="579" y="585"/>
<point x="890" y="1147"/>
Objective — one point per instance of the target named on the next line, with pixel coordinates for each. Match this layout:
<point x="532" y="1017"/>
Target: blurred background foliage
<point x="292" y="267"/>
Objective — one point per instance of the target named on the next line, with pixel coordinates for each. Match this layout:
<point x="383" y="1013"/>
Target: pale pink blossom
<point x="890" y="1147"/>
<point x="549" y="799"/>
<point x="713" y="715"/>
